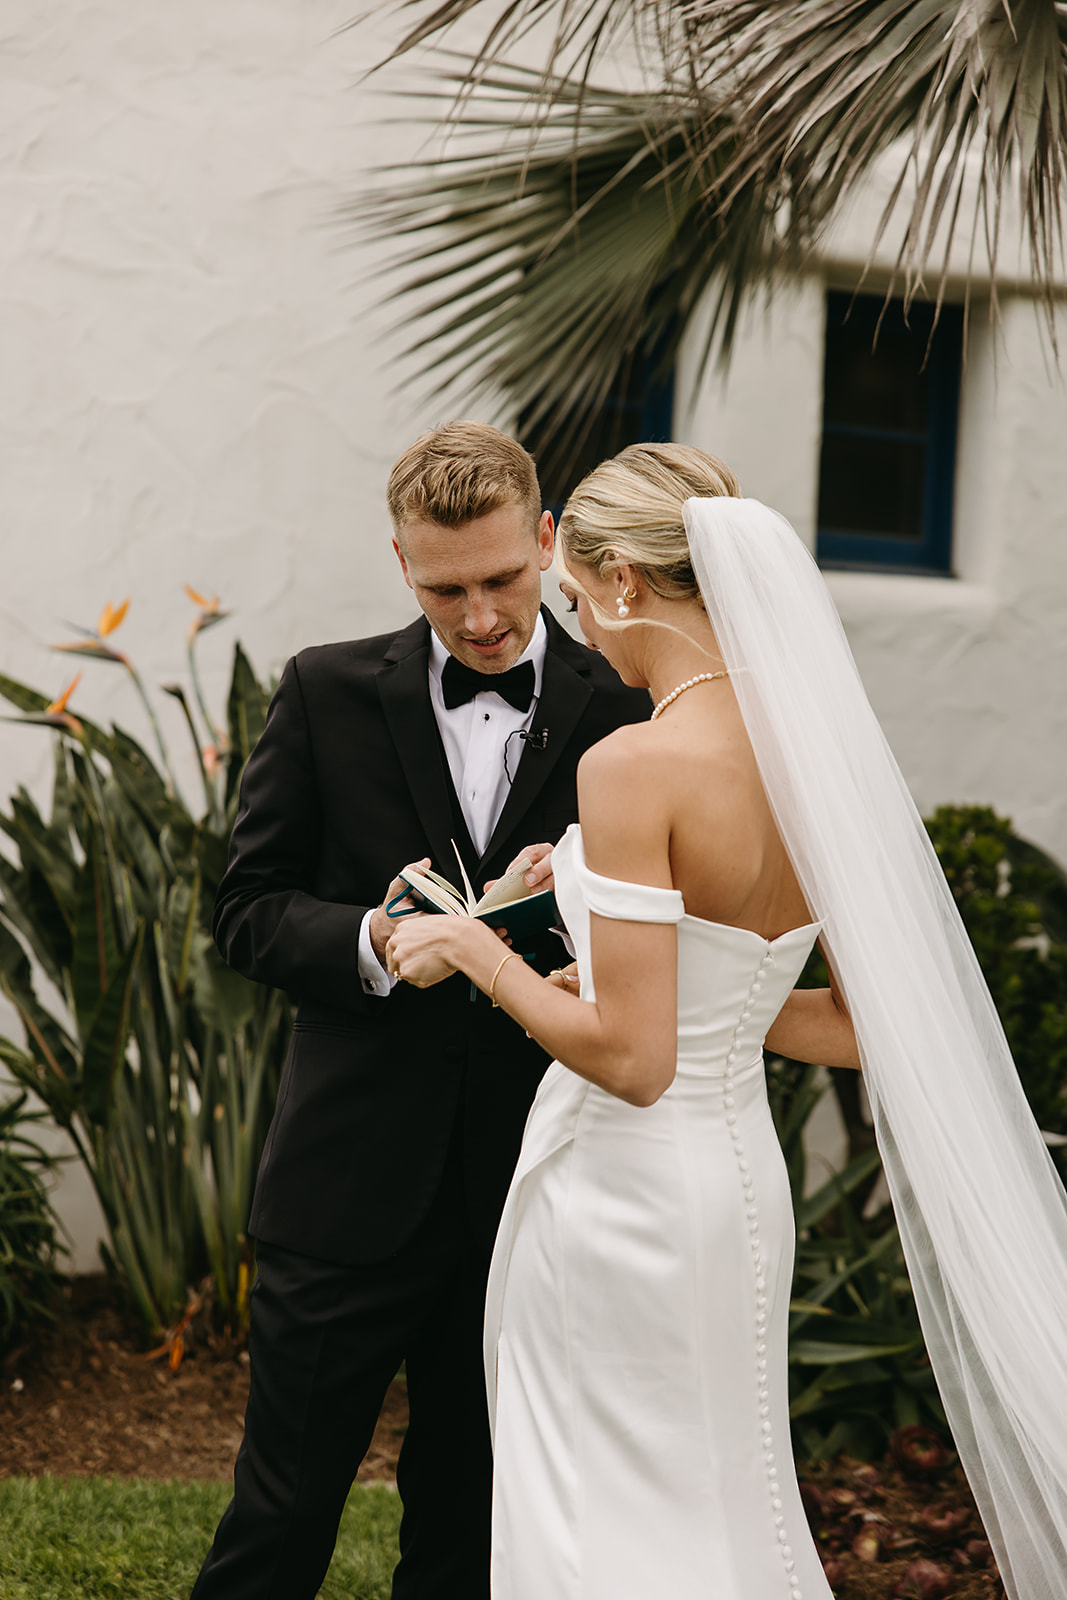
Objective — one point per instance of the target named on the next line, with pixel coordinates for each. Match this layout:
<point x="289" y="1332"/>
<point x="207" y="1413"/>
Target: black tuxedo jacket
<point x="348" y="782"/>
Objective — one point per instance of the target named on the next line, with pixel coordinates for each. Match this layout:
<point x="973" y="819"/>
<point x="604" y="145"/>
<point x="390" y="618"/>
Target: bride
<point x="637" y="1310"/>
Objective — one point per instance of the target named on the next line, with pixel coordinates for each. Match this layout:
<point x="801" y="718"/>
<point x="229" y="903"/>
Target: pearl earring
<point x="622" y="601"/>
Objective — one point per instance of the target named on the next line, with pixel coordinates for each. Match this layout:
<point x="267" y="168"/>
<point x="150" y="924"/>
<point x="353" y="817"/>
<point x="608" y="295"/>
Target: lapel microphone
<point x="537" y="739"/>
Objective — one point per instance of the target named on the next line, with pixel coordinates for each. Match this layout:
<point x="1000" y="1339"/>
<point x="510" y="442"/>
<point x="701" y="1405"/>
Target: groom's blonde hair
<point x="628" y="511"/>
<point x="459" y="472"/>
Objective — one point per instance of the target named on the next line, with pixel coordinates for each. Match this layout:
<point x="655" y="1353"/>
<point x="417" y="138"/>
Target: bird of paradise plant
<point x="158" y="1060"/>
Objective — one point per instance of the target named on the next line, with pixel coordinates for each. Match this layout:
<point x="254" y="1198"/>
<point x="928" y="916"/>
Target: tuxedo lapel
<point x="403" y="685"/>
<point x="566" y="690"/>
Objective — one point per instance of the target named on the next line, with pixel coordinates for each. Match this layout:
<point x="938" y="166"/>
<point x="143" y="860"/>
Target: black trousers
<point x="324" y="1343"/>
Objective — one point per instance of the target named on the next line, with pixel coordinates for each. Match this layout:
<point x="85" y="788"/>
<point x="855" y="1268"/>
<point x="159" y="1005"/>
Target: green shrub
<point x="29" y="1243"/>
<point x="1013" y="901"/>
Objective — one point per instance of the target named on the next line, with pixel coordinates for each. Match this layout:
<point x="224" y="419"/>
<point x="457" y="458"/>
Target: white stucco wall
<point x="197" y="386"/>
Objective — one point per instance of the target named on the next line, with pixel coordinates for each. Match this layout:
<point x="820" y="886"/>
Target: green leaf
<point x="141" y="781"/>
<point x="62" y="820"/>
<point x="20" y="695"/>
<point x="246" y="715"/>
<point x="139" y="846"/>
<point x="182" y="918"/>
<point x="207" y="1205"/>
<point x="14" y="963"/>
<point x="815" y="1352"/>
<point x="108" y="1032"/>
<point x="95" y="953"/>
<point x="224" y="999"/>
<point x="43" y="850"/>
<point x="829" y="1194"/>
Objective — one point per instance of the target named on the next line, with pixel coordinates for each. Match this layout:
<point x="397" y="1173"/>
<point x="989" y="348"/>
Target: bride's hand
<point x="565" y="978"/>
<point x="423" y="951"/>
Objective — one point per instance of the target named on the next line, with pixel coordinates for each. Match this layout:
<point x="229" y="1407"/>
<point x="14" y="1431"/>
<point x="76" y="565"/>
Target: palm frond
<point x="975" y="92"/>
<point x="571" y="230"/>
<point x="582" y="28"/>
<point x="550" y="269"/>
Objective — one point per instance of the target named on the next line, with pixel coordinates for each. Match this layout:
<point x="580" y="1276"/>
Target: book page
<point x="431" y="887"/>
<point x="509" y="888"/>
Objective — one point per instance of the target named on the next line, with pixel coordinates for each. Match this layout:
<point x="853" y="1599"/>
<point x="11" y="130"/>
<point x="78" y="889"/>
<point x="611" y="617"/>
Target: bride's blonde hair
<point x="629" y="511"/>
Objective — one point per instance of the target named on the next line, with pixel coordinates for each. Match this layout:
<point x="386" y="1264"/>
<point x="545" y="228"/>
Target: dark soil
<point x="885" y="1533"/>
<point x="81" y="1398"/>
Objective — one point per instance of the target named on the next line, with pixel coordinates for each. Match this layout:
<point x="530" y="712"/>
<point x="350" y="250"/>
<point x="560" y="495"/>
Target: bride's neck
<point x="682" y="649"/>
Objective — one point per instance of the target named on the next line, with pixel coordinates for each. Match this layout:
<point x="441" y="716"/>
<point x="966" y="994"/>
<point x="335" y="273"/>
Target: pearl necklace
<point x="668" y="699"/>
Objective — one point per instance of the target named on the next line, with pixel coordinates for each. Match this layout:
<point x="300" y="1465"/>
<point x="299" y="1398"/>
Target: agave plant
<point x="159" y="1062"/>
<point x="575" y="228"/>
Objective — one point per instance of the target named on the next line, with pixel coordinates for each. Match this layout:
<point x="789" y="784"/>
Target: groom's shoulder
<point x="349" y="661"/>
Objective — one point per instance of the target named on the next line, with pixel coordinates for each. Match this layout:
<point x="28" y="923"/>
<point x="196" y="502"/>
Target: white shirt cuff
<point x="372" y="974"/>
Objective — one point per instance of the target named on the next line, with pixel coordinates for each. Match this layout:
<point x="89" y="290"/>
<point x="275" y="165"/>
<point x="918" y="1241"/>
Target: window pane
<point x="870" y="386"/>
<point x="889" y="434"/>
<point x="871" y="486"/>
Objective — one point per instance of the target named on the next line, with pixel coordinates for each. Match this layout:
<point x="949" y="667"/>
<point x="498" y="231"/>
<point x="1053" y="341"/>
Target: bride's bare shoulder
<point x="623" y="811"/>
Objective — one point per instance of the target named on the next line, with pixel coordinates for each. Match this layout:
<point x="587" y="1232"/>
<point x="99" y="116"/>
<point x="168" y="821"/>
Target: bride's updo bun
<point x="629" y="510"/>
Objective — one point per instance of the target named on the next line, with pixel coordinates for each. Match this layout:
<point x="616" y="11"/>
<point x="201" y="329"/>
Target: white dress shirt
<point x="476" y="736"/>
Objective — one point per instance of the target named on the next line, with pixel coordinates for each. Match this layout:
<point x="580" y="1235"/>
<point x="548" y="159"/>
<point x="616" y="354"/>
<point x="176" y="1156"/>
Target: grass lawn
<point x="136" y="1539"/>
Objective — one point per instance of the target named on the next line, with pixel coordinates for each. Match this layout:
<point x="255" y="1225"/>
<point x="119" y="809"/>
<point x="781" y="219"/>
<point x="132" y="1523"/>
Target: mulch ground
<point x="80" y="1398"/>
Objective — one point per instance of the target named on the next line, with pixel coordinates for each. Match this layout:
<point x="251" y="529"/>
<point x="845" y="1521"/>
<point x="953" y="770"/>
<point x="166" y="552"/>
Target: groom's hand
<point x="381" y="924"/>
<point x="540" y="874"/>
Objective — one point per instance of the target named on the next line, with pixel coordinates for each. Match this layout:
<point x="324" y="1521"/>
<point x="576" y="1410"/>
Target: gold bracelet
<point x="496" y="974"/>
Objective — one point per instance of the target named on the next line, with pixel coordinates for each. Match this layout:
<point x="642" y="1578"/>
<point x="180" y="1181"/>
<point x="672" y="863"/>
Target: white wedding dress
<point x="637" y="1308"/>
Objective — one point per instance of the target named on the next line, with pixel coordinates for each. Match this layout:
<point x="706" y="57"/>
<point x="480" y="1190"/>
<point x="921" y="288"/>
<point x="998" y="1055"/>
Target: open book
<point x="509" y="904"/>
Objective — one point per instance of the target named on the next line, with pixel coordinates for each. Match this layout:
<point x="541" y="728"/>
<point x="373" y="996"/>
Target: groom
<point x="400" y="1111"/>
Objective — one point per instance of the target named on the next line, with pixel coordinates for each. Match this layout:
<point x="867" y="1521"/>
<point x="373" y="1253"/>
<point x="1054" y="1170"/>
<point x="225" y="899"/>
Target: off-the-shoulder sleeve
<point x="628" y="902"/>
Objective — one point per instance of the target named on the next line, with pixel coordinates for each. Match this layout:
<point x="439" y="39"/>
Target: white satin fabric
<point x="637" y="1308"/>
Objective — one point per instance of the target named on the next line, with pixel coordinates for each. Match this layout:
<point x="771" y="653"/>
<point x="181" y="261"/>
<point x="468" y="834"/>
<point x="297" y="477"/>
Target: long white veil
<point x="981" y="1211"/>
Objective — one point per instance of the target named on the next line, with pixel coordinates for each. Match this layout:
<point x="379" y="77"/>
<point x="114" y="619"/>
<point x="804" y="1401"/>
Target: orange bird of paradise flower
<point x="111" y="617"/>
<point x="93" y="642"/>
<point x="210" y="612"/>
<point x="58" y="706"/>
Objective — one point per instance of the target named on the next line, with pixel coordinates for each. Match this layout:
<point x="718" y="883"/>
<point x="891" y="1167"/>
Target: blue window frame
<point x="888" y="461"/>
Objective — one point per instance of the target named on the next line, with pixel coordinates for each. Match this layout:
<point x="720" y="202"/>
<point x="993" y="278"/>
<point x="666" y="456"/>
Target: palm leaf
<point x="584" y="241"/>
<point x="583" y="28"/>
<point x="825" y="87"/>
<point x="548" y="270"/>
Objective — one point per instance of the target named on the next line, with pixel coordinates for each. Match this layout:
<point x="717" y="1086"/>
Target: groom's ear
<point x="403" y="565"/>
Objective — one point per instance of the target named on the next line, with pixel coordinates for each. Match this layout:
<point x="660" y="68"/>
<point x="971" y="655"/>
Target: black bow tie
<point x="461" y="683"/>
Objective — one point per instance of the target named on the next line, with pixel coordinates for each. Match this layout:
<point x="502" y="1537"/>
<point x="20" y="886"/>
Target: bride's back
<point x="725" y="854"/>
